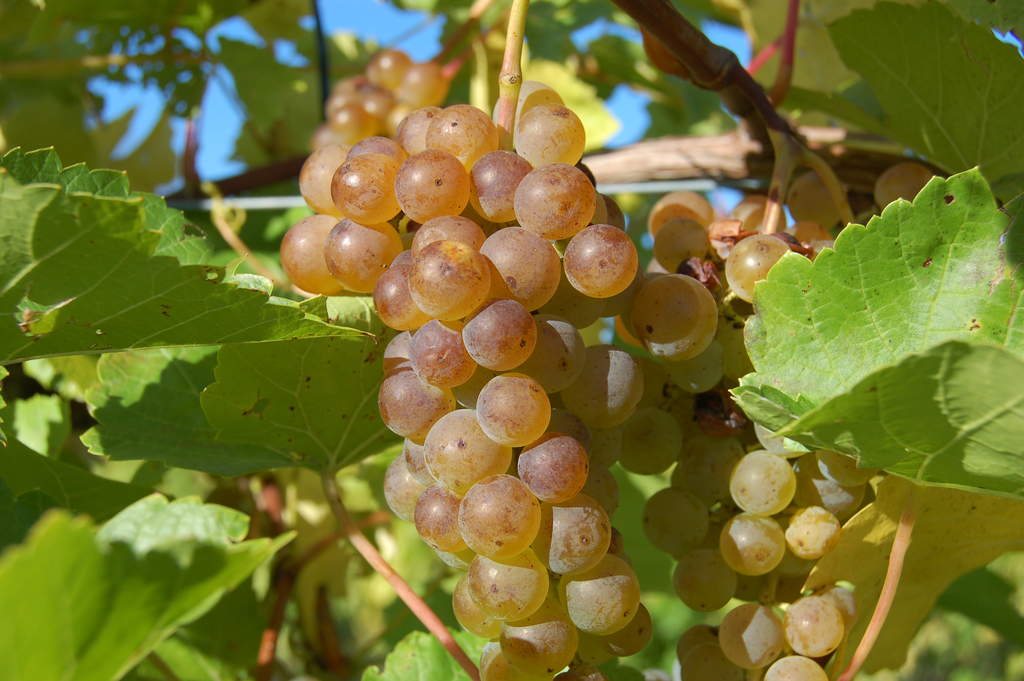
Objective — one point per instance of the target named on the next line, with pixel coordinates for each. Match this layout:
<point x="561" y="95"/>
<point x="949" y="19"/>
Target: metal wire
<point x="323" y="64"/>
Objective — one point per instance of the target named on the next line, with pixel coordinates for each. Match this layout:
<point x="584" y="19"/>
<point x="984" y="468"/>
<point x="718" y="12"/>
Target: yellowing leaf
<point x="598" y="122"/>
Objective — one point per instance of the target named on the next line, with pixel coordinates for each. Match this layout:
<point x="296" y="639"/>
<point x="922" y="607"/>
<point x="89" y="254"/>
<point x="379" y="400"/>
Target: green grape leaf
<point x="987" y="598"/>
<point x="421" y="657"/>
<point x="91" y="607"/>
<point x="71" y="376"/>
<point x="147" y="407"/>
<point x="156" y="524"/>
<point x="41" y="422"/>
<point x="985" y="527"/>
<point x="79" y="274"/>
<point x="1003" y="16"/>
<point x="3" y="375"/>
<point x="20" y="513"/>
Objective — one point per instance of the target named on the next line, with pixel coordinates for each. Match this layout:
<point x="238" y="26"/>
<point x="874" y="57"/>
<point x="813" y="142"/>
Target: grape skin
<point x="468" y="393"/>
<point x="558" y="355"/>
<point x="436" y="518"/>
<point x="501" y="336"/>
<point x="387" y="68"/>
<point x="750" y="212"/>
<point x="752" y="545"/>
<point x="508" y="589"/>
<point x="901" y="181"/>
<point x="603" y="599"/>
<point x="762" y="483"/>
<point x="701" y="373"/>
<point x="573" y="535"/>
<point x="706" y="467"/>
<point x="423" y="84"/>
<point x="396" y="354"/>
<point x="707" y="662"/>
<point x="494" y="178"/>
<point x="675" y="315"/>
<point x="634" y="637"/>
<point x="431" y="184"/>
<point x="703" y="581"/>
<point x="415" y="461"/>
<point x="401" y="489"/>
<point x="316" y="175"/>
<point x="751" y="636"/>
<point x="555" y="467"/>
<point x="603" y="488"/>
<point x="675" y="521"/>
<point x="513" y="409"/>
<point x="378" y="145"/>
<point x="607" y="389"/>
<point x="438" y="355"/>
<point x="843" y="469"/>
<point x="543" y="642"/>
<point x="651" y="440"/>
<point x="393" y="299"/>
<point x="302" y="255"/>
<point x="814" y="489"/>
<point x="750" y="261"/>
<point x="499" y="516"/>
<point x="409" y="407"/>
<point x="549" y="133"/>
<point x="351" y="123"/>
<point x="528" y="264"/>
<point x="357" y="255"/>
<point x="678" y="240"/>
<point x="449" y="280"/>
<point x="469" y="614"/>
<point x="412" y="131"/>
<point x="568" y="303"/>
<point x="808" y="199"/>
<point x="679" y="204"/>
<point x="464" y="131"/>
<point x="844" y="601"/>
<point x="363" y="188"/>
<point x="795" y="668"/>
<point x="814" y="626"/>
<point x="600" y="261"/>
<point x="812" y="533"/>
<point x="458" y="454"/>
<point x="448" y="228"/>
<point x="554" y="201"/>
<point x="697" y="635"/>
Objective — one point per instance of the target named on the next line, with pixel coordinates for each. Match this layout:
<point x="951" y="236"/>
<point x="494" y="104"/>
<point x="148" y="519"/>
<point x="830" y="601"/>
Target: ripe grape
<point x="533" y="93"/>
<point x="565" y="422"/>
<point x="542" y="643"/>
<point x="750" y="212"/>
<point x="393" y="299"/>
<point x="814" y="489"/>
<point x="459" y="560"/>
<point x="302" y="255"/>
<point x="601" y="261"/>
<point x="675" y="316"/>
<point x="379" y="145"/>
<point x="449" y="280"/>
<point x="605" y="446"/>
<point x="501" y="336"/>
<point x="409" y="407"/>
<point x="568" y="303"/>
<point x="315" y="178"/>
<point x="438" y="355"/>
<point x="396" y="353"/>
<point x="415" y="461"/>
<point x="387" y="68"/>
<point x="809" y="200"/>
<point x="675" y="521"/>
<point x="593" y="649"/>
<point x="680" y="204"/>
<point x="508" y="589"/>
<point x="657" y="385"/>
<point x="651" y="440"/>
<point x="697" y="635"/>
<point x="554" y="467"/>
<point x="762" y="483"/>
<point x="412" y="131"/>
<point x="499" y="516"/>
<point x="554" y="201"/>
<point x="608" y="389"/>
<point x="494" y="179"/>
<point x="351" y="123"/>
<point x="901" y="181"/>
<point x="814" y="626"/>
<point x="464" y="131"/>
<point x="707" y="662"/>
<point x="430" y="184"/>
<point x="448" y="228"/>
<point x="678" y="240"/>
<point x="809" y="232"/>
<point x="582" y="672"/>
<point x="614" y="213"/>
<point x="357" y="255"/>
<point x="467" y="393"/>
<point x="703" y="581"/>
<point x="843" y="469"/>
<point x="401" y="489"/>
<point x="528" y="264"/>
<point x="634" y="637"/>
<point x="751" y="636"/>
<point x="602" y="599"/>
<point x="423" y="84"/>
<point x="437" y="519"/>
<point x="701" y="373"/>
<point x="573" y="535"/>
<point x="469" y="615"/>
<point x="774" y="444"/>
<point x="706" y="467"/>
<point x="549" y="133"/>
<point x="844" y="601"/>
<point x="513" y="409"/>
<point x="752" y="545"/>
<point x="812" y="532"/>
<point x="458" y="454"/>
<point x="795" y="668"/>
<point x="558" y="354"/>
<point x="602" y="487"/>
<point x="750" y="261"/>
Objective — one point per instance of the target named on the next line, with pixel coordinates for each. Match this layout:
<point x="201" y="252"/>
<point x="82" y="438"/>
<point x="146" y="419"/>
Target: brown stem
<point x="900" y="544"/>
<point x="511" y="76"/>
<point x="163" y="667"/>
<point x="333" y="659"/>
<point x="284" y="584"/>
<point x="188" y="157"/>
<point x="785" y="73"/>
<point x="788" y="152"/>
<point x="476" y="10"/>
<point x="219" y="218"/>
<point x="762" y="57"/>
<point x="416" y="604"/>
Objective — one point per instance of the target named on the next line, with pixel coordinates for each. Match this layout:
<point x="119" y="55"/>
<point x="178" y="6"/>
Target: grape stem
<point x="412" y="600"/>
<point x="511" y="77"/>
<point x="785" y="73"/>
<point x="762" y="57"/>
<point x="900" y="544"/>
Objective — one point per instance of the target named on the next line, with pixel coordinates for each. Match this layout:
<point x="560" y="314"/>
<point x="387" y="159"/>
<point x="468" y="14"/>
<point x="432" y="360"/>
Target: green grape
<point x="494" y="179"/>
<point x="901" y="181"/>
<point x="707" y="662"/>
<point x="697" y="635"/>
<point x="750" y="261"/>
<point x="387" y="68"/>
<point x="449" y="280"/>
<point x="565" y="422"/>
<point x="448" y="228"/>
<point x="795" y="668"/>
<point x="554" y="201"/>
<point x="501" y="336"/>
<point x="750" y="212"/>
<point x="605" y="446"/>
<point x="703" y="581"/>
<point x="752" y="545"/>
<point x="601" y="261"/>
<point x="437" y="519"/>
<point x="814" y="489"/>
<point x="621" y="303"/>
<point x="603" y="599"/>
<point x="554" y="467"/>
<point x="793" y="566"/>
<point x="678" y="240"/>
<point x="593" y="649"/>
<point x="393" y="299"/>
<point x="812" y="532"/>
<point x="533" y="93"/>
<point x="542" y="643"/>
<point x="651" y="440"/>
<point x="634" y="637"/>
<point x="680" y="204"/>
<point x="459" y="560"/>
<point x="458" y="454"/>
<point x="302" y="255"/>
<point x="528" y="264"/>
<point x="573" y="535"/>
<point x="396" y="353"/>
<point x="324" y="136"/>
<point x="608" y="389"/>
<point x="808" y="199"/>
<point x="409" y="407"/>
<point x="843" y="469"/>
<point x="701" y="373"/>
<point x="807" y="232"/>
<point x="844" y="601"/>
<point x="412" y="131"/>
<point x="602" y="486"/>
<point x="675" y="316"/>
<point x="351" y="123"/>
<point x="468" y="393"/>
<point x="582" y="672"/>
<point x="775" y="445"/>
<point x="751" y="636"/>
<point x="577" y="308"/>
<point x="550" y="133"/>
<point x="430" y="184"/>
<point x="675" y="521"/>
<point x="499" y="516"/>
<point x="416" y="462"/>
<point x="316" y="175"/>
<point x="494" y="666"/>
<point x="558" y="354"/>
<point x="735" y="360"/>
<point x="657" y="386"/>
<point x="814" y="626"/>
<point x="464" y="131"/>
<point x="469" y="615"/>
<point x="762" y="483"/>
<point x="357" y="255"/>
<point x="424" y="84"/>
<point x="513" y="409"/>
<point x="401" y="489"/>
<point x="508" y="589"/>
<point x="438" y="355"/>
<point x="706" y="467"/>
<point x="383" y="146"/>
<point x="617" y="545"/>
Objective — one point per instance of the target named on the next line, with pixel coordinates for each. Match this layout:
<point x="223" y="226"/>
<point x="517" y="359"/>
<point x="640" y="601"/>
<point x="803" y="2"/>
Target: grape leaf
<point x="41" y="422"/>
<point x="986" y="597"/>
<point x="20" y="513"/>
<point x="147" y="407"/>
<point x="3" y="375"/>
<point x="421" y="657"/>
<point x="70" y="377"/>
<point x="1003" y="16"/>
<point x="985" y="527"/>
<point x="90" y="607"/>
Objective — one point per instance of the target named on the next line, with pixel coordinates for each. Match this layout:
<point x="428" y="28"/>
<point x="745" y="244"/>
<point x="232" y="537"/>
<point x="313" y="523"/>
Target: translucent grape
<point x="542" y="643"/>
<point x="325" y="135"/>
<point x="608" y="389"/>
<point x="501" y="336"/>
<point x="602" y="599"/>
<point x="605" y="446"/>
<point x="412" y="131"/>
<point x="657" y="386"/>
<point x="437" y="519"/>
<point x="651" y="440"/>
<point x="315" y="178"/>
<point x="573" y="535"/>
<point x="554" y="201"/>
<point x="438" y="355"/>
<point x="703" y="581"/>
<point x="593" y="649"/>
<point x="843" y="469"/>
<point x="752" y="545"/>
<point x="565" y="422"/>
<point x="378" y="102"/>
<point x="533" y="93"/>
<point x="634" y="637"/>
<point x="549" y="133"/>
<point x="387" y="68"/>
<point x="812" y="532"/>
<point x="430" y="184"/>
<point x="499" y="516"/>
<point x="554" y="467"/>
<point x="675" y="521"/>
<point x="508" y="589"/>
<point x="707" y="662"/>
<point x="423" y="84"/>
<point x="808" y="199"/>
<point x="529" y="265"/>
<point x="449" y="280"/>
<point x="582" y="672"/>
<point x="614" y="213"/>
<point x="393" y="299"/>
<point x="409" y="407"/>
<point x="750" y="261"/>
<point x="494" y="179"/>
<point x="678" y="240"/>
<point x="494" y="666"/>
<point x="680" y="204"/>
<point x="568" y="303"/>
<point x="751" y="636"/>
<point x="351" y="123"/>
<point x="844" y="601"/>
<point x="706" y="467"/>
<point x="603" y="488"/>
<point x="677" y="312"/>
<point x="384" y="146"/>
<point x="750" y="212"/>
<point x="513" y="409"/>
<point x="762" y="483"/>
<point x="808" y="232"/>
<point x="901" y="181"/>
<point x="697" y="635"/>
<point x="357" y="255"/>
<point x="459" y="560"/>
<point x="774" y="444"/>
<point x="558" y="354"/>
<point x="469" y="615"/>
<point x="467" y="393"/>
<point x="396" y="353"/>
<point x="302" y="255"/>
<point x="701" y="373"/>
<point x="601" y="261"/>
<point x="415" y="461"/>
<point x="814" y="489"/>
<point x="458" y="454"/>
<point x="464" y="131"/>
<point x="814" y="626"/>
<point x="795" y="668"/>
<point x="401" y="489"/>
